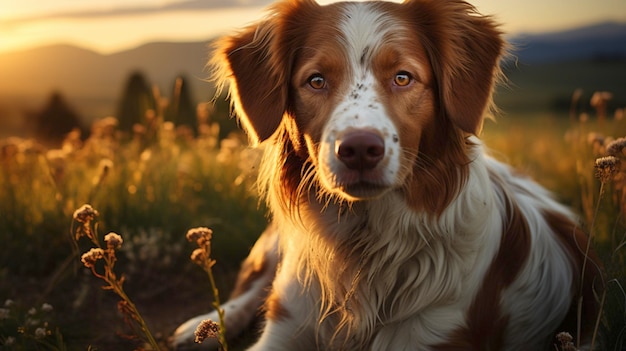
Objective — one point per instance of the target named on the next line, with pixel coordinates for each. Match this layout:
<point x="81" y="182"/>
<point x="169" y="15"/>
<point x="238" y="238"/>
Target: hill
<point x="597" y="42"/>
<point x="92" y="82"/>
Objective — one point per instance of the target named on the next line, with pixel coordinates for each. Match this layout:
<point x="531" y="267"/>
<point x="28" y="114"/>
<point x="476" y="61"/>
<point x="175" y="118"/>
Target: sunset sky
<point x="112" y="25"/>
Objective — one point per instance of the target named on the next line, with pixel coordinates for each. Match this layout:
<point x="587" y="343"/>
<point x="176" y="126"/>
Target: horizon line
<point x="122" y="49"/>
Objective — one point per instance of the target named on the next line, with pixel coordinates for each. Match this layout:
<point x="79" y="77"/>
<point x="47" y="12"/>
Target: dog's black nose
<point x="360" y="150"/>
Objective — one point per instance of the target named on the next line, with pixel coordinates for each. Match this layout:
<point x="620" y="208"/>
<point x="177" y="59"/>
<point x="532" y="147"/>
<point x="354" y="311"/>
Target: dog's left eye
<point x="402" y="79"/>
<point x="317" y="81"/>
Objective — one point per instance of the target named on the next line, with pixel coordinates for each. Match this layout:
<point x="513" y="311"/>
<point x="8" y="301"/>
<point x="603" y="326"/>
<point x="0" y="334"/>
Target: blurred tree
<point x="54" y="121"/>
<point x="223" y="116"/>
<point x="137" y="99"/>
<point x="182" y="109"/>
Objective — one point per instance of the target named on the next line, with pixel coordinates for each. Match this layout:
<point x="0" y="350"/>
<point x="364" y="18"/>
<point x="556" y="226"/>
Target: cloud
<point x="212" y="4"/>
<point x="180" y="6"/>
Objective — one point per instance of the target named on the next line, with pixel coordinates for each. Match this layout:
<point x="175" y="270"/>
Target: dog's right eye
<point x="402" y="79"/>
<point x="317" y="81"/>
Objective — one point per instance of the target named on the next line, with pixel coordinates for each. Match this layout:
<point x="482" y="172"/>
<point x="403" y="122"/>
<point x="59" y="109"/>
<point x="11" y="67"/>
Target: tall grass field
<point x="151" y="185"/>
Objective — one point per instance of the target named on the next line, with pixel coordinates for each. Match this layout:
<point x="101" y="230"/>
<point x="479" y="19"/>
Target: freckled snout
<point x="360" y="150"/>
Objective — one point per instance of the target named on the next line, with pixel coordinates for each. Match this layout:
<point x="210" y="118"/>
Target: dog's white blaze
<point x="364" y="29"/>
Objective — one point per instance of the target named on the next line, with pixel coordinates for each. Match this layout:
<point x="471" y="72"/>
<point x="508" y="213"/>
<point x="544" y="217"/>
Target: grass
<point x="152" y="186"/>
<point x="535" y="88"/>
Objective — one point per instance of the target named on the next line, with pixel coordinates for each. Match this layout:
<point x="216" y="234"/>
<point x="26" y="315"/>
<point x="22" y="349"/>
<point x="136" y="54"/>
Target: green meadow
<point x="150" y="185"/>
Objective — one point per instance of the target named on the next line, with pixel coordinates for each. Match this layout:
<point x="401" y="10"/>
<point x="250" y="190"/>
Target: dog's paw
<point x="184" y="338"/>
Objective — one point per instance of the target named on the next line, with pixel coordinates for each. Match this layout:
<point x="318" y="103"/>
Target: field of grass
<point x="151" y="187"/>
<point x="533" y="89"/>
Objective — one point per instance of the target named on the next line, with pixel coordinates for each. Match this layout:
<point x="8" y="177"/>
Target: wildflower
<point x="593" y="138"/>
<point x="46" y="307"/>
<point x="617" y="147"/>
<point x="4" y="313"/>
<point x="564" y="337"/>
<point x="202" y="257"/>
<point x="105" y="164"/>
<point x="206" y="329"/>
<point x="606" y="168"/>
<point x="200" y="235"/>
<point x="104" y="167"/>
<point x="32" y="322"/>
<point x="85" y="214"/>
<point x="108" y="122"/>
<point x="125" y="309"/>
<point x="139" y="129"/>
<point x="57" y="162"/>
<point x="56" y="156"/>
<point x="32" y="311"/>
<point x="9" y="341"/>
<point x="72" y="141"/>
<point x="146" y="156"/>
<point x="566" y="341"/>
<point x="599" y="101"/>
<point x="40" y="333"/>
<point x="90" y="258"/>
<point x="228" y="149"/>
<point x="198" y="256"/>
<point x="597" y="141"/>
<point x="8" y="303"/>
<point x="169" y="127"/>
<point x="584" y="117"/>
<point x="114" y="241"/>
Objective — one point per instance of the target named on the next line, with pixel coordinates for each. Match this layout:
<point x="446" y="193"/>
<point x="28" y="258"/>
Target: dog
<point x="392" y="228"/>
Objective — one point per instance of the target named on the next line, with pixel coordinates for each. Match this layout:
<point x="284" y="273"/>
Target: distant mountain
<point x="598" y="42"/>
<point x="93" y="82"/>
<point x="88" y="78"/>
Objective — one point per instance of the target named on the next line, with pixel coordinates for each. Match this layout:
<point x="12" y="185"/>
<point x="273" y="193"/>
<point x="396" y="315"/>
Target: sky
<point x="108" y="26"/>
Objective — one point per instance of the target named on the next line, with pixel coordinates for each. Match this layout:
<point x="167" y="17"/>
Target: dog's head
<point x="375" y="95"/>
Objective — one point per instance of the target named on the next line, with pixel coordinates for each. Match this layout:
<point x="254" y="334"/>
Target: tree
<point x="182" y="110"/>
<point x="136" y="100"/>
<point x="54" y="121"/>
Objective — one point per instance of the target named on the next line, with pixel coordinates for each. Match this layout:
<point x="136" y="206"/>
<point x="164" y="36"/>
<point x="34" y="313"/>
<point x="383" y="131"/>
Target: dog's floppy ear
<point x="256" y="63"/>
<point x="257" y="93"/>
<point x="465" y="49"/>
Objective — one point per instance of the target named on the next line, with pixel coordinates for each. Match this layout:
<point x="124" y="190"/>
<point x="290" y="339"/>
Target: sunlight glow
<point x="30" y="23"/>
<point x="119" y="33"/>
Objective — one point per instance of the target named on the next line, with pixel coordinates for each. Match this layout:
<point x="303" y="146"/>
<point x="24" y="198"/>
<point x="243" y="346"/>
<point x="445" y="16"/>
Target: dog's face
<point x="376" y="95"/>
<point x="362" y="96"/>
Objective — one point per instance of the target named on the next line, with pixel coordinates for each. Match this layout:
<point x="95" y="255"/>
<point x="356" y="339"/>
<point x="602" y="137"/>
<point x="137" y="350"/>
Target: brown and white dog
<point x="392" y="229"/>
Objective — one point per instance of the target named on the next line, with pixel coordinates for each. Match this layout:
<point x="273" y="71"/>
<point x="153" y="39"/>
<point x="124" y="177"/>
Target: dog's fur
<point x="392" y="228"/>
